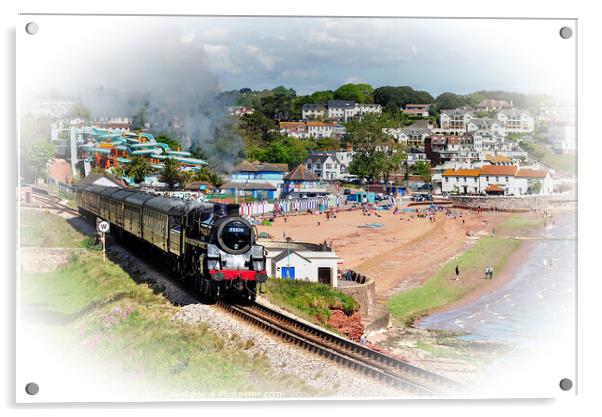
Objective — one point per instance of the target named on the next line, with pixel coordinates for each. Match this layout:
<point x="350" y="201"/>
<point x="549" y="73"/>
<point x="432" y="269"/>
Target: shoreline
<point x="501" y="278"/>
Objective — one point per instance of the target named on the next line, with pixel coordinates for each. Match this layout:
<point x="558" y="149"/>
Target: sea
<point x="531" y="307"/>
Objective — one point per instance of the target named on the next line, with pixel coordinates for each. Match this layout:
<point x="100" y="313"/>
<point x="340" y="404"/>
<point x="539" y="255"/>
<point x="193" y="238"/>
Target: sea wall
<point x="515" y="203"/>
<point x="363" y="290"/>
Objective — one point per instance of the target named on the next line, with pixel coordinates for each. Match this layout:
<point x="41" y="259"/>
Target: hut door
<point x="324" y="276"/>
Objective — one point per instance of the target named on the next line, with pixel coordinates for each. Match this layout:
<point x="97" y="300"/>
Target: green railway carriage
<point x="208" y="245"/>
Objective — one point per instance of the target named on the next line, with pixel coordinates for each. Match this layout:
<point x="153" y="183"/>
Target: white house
<point x="342" y="109"/>
<point x="294" y="129"/>
<point x="325" y="166"/>
<point x="313" y="111"/>
<point x="563" y="138"/>
<point x="240" y="110"/>
<point x="516" y="120"/>
<point x="497" y="180"/>
<point x="324" y="129"/>
<point x="455" y="119"/>
<point x="368" y="109"/>
<point x="421" y="110"/>
<point x="489" y="104"/>
<point x="493" y="126"/>
<point x="313" y="266"/>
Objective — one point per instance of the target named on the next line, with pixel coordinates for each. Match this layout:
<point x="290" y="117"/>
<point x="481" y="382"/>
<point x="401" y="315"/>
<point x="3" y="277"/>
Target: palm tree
<point x="138" y="169"/>
<point x="170" y="174"/>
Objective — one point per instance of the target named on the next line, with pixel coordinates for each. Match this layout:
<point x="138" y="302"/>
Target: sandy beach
<point x="400" y="255"/>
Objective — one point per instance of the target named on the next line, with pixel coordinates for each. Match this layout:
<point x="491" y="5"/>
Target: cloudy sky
<point x="306" y="54"/>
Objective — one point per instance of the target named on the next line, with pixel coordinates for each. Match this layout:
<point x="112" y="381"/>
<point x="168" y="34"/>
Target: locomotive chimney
<point x="233" y="209"/>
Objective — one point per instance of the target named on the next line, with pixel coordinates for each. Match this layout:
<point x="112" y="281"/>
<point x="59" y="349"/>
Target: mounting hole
<point x="566" y="384"/>
<point x="566" y="32"/>
<point x="32" y="388"/>
<point x="32" y="28"/>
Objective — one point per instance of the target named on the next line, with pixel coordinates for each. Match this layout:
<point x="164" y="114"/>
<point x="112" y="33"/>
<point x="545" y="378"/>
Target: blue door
<point x="288" y="272"/>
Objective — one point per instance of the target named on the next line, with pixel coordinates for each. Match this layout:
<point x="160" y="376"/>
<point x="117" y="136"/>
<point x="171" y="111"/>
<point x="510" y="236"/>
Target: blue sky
<point x="306" y="54"/>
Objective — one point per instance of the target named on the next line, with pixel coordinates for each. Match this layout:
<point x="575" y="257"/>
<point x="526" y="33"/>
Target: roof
<point x="341" y="103"/>
<point x="286" y="253"/>
<point x="461" y="172"/>
<point x="166" y="205"/>
<point x="499" y="170"/>
<point x="311" y="106"/>
<point x="531" y="173"/>
<point x="249" y="185"/>
<point x="497" y="158"/>
<point x="99" y="179"/>
<point x="247" y="166"/>
<point x="457" y="111"/>
<point x="420" y="124"/>
<point x="417" y="106"/>
<point x="332" y="124"/>
<point x="300" y="173"/>
<point x="291" y="125"/>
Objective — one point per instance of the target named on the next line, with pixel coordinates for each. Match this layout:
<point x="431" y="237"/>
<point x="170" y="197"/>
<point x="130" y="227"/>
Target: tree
<point x="79" y="111"/>
<point x="138" y="169"/>
<point x="360" y="93"/>
<point x="35" y="159"/>
<point x="423" y="169"/>
<point x="319" y="97"/>
<point x="170" y="174"/>
<point x="255" y="127"/>
<point x="397" y="97"/>
<point x="169" y="140"/>
<point x="376" y="155"/>
<point x="451" y="101"/>
<point x="279" y="106"/>
<point x="328" y="144"/>
<point x="196" y="151"/>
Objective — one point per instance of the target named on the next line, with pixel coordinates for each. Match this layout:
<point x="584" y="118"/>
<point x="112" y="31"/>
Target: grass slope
<point x="440" y="289"/>
<point x="309" y="300"/>
<point x="102" y="314"/>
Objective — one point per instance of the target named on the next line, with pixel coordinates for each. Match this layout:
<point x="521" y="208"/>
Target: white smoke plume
<point x="114" y="67"/>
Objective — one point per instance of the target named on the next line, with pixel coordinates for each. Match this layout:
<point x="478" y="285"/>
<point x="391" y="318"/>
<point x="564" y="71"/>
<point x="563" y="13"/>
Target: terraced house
<point x="497" y="180"/>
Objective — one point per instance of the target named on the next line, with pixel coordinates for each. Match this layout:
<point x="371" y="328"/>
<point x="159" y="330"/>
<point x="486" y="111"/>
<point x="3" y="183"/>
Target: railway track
<point x="415" y="380"/>
<point x="53" y="202"/>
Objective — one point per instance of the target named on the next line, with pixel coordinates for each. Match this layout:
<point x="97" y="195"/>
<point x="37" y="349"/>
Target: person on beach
<point x="457" y="272"/>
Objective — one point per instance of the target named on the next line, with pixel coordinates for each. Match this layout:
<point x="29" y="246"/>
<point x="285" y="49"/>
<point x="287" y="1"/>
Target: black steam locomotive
<point x="207" y="245"/>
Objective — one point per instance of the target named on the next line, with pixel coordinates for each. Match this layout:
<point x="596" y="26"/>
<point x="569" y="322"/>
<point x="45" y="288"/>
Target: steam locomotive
<point x="208" y="246"/>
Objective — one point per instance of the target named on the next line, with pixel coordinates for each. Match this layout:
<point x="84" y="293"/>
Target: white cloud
<point x="219" y="58"/>
<point x="266" y="60"/>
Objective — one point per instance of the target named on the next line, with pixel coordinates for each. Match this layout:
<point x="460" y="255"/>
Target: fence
<point x="293" y="205"/>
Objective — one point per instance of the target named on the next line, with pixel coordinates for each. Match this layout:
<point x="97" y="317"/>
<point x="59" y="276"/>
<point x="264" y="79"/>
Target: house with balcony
<point x="486" y="125"/>
<point x="294" y="129"/>
<point x="516" y="120"/>
<point x="455" y="119"/>
<point x="325" y="129"/>
<point x="314" y="112"/>
<point x="421" y="110"/>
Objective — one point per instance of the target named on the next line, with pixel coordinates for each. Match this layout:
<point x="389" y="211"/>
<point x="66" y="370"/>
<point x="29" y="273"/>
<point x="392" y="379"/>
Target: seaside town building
<point x="326" y="167"/>
<point x="496" y="180"/>
<point x="240" y="110"/>
<point x="455" y="119"/>
<point x="257" y="180"/>
<point x="339" y="110"/>
<point x="562" y="137"/>
<point x="421" y="110"/>
<point x="301" y="182"/>
<point x="489" y="104"/>
<point x="313" y="112"/>
<point x="516" y="120"/>
<point x="312" y="129"/>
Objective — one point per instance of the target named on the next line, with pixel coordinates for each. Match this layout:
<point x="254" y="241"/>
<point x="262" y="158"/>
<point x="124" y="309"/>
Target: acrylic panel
<point x="240" y="208"/>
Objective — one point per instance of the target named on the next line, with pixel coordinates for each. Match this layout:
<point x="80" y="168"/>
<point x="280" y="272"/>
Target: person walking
<point x="457" y="272"/>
